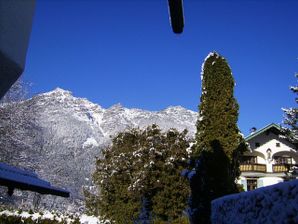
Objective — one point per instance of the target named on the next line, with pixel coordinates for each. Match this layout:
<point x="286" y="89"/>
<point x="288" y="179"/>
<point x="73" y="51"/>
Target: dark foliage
<point x="211" y="178"/>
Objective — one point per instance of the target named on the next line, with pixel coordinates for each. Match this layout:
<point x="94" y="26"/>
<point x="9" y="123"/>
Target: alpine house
<point x="272" y="158"/>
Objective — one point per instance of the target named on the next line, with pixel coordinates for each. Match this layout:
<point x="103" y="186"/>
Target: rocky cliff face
<point x="59" y="136"/>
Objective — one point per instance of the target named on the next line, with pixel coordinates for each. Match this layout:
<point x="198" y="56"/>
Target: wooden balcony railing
<point x="253" y="168"/>
<point x="280" y="168"/>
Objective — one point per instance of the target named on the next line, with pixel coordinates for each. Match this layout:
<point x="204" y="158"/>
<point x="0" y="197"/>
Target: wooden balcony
<point x="253" y="168"/>
<point x="280" y="168"/>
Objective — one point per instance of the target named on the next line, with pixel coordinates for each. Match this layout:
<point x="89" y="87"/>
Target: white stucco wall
<point x="242" y="180"/>
<point x="267" y="181"/>
<point x="269" y="141"/>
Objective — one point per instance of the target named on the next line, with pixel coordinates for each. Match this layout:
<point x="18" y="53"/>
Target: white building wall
<point x="242" y="181"/>
<point x="269" y="141"/>
<point x="267" y="181"/>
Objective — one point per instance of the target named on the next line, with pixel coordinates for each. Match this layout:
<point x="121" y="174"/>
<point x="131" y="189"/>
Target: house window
<point x="282" y="160"/>
<point x="249" y="160"/>
<point x="257" y="144"/>
<point x="252" y="184"/>
<point x="277" y="144"/>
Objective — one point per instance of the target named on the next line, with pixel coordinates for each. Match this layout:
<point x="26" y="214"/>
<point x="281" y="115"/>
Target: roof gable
<point x="272" y="127"/>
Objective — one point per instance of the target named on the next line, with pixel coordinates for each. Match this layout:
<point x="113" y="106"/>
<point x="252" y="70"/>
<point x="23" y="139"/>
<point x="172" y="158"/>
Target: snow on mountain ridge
<point x="117" y="113"/>
<point x="96" y="113"/>
<point x="90" y="142"/>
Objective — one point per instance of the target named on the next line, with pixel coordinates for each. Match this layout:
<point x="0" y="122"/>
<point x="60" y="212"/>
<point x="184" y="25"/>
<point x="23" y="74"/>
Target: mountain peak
<point x="175" y="108"/>
<point x="61" y="91"/>
<point x="116" y="106"/>
<point x="58" y="91"/>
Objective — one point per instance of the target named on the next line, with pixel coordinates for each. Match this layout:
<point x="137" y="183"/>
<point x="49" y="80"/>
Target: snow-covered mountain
<point x="59" y="136"/>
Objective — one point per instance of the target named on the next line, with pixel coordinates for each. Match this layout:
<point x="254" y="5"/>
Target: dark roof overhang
<point x="13" y="177"/>
<point x="15" y="27"/>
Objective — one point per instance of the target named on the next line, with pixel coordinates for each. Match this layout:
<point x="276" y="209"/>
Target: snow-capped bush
<point x="138" y="177"/>
<point x="273" y="204"/>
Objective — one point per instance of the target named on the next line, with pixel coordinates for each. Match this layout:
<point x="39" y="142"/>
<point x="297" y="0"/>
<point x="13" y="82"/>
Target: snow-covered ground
<point x="274" y="204"/>
<point x="84" y="219"/>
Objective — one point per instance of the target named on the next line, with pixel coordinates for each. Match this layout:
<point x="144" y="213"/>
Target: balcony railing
<point x="253" y="168"/>
<point x="280" y="168"/>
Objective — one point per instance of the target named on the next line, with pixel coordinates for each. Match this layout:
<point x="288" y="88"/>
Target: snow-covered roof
<point x="14" y="177"/>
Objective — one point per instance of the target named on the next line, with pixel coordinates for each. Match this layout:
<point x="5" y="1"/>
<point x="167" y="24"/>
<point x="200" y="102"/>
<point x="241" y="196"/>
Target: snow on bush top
<point x="211" y="54"/>
<point x="273" y="204"/>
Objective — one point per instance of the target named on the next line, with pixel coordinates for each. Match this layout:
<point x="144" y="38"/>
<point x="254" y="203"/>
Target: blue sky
<point x="116" y="51"/>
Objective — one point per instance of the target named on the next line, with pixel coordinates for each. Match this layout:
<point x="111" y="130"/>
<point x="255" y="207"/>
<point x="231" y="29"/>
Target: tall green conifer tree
<point x="219" y="143"/>
<point x="218" y="108"/>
